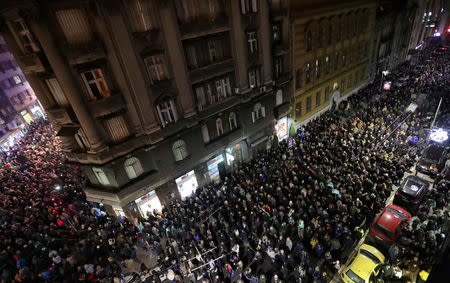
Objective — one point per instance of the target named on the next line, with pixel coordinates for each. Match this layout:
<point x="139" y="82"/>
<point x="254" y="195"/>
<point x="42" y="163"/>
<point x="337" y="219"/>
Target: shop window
<point x="318" y="102"/>
<point x="308" y="104"/>
<point x="167" y="112"/>
<point x="179" y="150"/>
<point x="156" y="68"/>
<point x="133" y="167"/>
<point x="249" y="6"/>
<point x="101" y="176"/>
<point x="259" y="112"/>
<point x="74" y="25"/>
<point x="95" y="84"/>
<point x="298" y="110"/>
<point x="24" y="34"/>
<point x="232" y="120"/>
<point x="298" y="78"/>
<point x="219" y="127"/>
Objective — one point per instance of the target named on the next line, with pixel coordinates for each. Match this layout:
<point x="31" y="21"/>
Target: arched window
<point x="320" y="37"/>
<point x="308" y="40"/>
<point x="133" y="167"/>
<point x="259" y="112"/>
<point x="219" y="127"/>
<point x="232" y="120"/>
<point x="179" y="149"/>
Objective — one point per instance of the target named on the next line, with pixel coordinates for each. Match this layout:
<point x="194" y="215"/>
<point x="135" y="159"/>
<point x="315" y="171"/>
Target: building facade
<point x="154" y="98"/>
<point x="331" y="43"/>
<point x="18" y="103"/>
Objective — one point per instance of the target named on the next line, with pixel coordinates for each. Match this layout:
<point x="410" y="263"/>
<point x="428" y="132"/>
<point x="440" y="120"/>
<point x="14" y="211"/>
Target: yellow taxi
<point x="364" y="267"/>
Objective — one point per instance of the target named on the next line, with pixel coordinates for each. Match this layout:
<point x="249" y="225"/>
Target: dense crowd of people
<point x="292" y="214"/>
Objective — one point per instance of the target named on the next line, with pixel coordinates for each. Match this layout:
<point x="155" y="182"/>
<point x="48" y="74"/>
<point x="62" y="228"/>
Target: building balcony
<point x="212" y="70"/>
<point x="30" y="63"/>
<point x="193" y="30"/>
<point x="85" y="53"/>
<point x="107" y="106"/>
<point x="61" y="115"/>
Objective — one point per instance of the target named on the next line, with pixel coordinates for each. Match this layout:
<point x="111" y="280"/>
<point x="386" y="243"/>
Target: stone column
<point x="169" y="24"/>
<point x="239" y="45"/>
<point x="265" y="34"/>
<point x="71" y="89"/>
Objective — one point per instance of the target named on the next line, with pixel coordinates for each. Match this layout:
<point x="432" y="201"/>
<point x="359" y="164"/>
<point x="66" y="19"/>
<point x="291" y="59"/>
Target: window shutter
<point x="75" y="26"/>
<point x="253" y="116"/>
<point x="117" y="128"/>
<point x="57" y="92"/>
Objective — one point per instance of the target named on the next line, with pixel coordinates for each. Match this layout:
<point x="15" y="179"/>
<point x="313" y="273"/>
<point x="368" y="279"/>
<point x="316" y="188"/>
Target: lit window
<point x="232" y="120"/>
<point x="156" y="68"/>
<point x="167" y="112"/>
<point x="317" y="69"/>
<point x="133" y="167"/>
<point x="253" y="78"/>
<point x="95" y="84"/>
<point x="252" y="42"/>
<point x="101" y="176"/>
<point x="327" y="64"/>
<point x="179" y="150"/>
<point x="17" y="80"/>
<point x="258" y="112"/>
<point x="219" y="127"/>
<point x="308" y="73"/>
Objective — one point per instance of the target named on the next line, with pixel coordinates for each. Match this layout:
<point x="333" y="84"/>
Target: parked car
<point x="411" y="192"/>
<point x="432" y="160"/>
<point x="364" y="266"/>
<point x="389" y="224"/>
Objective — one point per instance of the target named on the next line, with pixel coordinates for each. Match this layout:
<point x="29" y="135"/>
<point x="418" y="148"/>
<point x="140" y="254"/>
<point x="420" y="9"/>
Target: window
<point x="276" y="33"/>
<point x="308" y="40"/>
<point x="205" y="134"/>
<point x="279" y="97"/>
<point x="117" y="128"/>
<point x="133" y="167"/>
<point x="327" y="65"/>
<point x="298" y="110"/>
<point x="249" y="6"/>
<point x="101" y="176"/>
<point x="232" y="120"/>
<point x="318" y="99"/>
<point x="336" y="61"/>
<point x="167" y="112"/>
<point x="298" y="78"/>
<point x="320" y="37"/>
<point x="223" y="88"/>
<point x="308" y="73"/>
<point x="25" y="36"/>
<point x="95" y="84"/>
<point x="253" y="78"/>
<point x="317" y="68"/>
<point x="330" y="33"/>
<point x="57" y="92"/>
<point x="327" y="93"/>
<point x="17" y="80"/>
<point x="278" y="67"/>
<point x="258" y="112"/>
<point x="189" y="11"/>
<point x="203" y="52"/>
<point x="75" y="26"/>
<point x="308" y="104"/>
<point x="219" y="127"/>
<point x="349" y="81"/>
<point x="179" y="150"/>
<point x="343" y="84"/>
<point x="142" y="15"/>
<point x="344" y="57"/>
<point x="252" y="42"/>
<point x="156" y="68"/>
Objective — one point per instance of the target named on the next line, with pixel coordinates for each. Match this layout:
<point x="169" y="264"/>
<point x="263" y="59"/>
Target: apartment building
<point x="155" y="98"/>
<point x="331" y="43"/>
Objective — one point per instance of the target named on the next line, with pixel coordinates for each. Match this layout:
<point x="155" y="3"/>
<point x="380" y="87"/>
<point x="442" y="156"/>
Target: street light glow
<point x="439" y="135"/>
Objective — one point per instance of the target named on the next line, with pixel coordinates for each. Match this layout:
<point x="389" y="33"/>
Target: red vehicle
<point x="389" y="224"/>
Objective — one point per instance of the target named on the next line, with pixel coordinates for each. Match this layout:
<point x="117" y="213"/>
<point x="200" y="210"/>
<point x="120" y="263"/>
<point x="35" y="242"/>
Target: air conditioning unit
<point x="236" y="90"/>
<point x="262" y="89"/>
